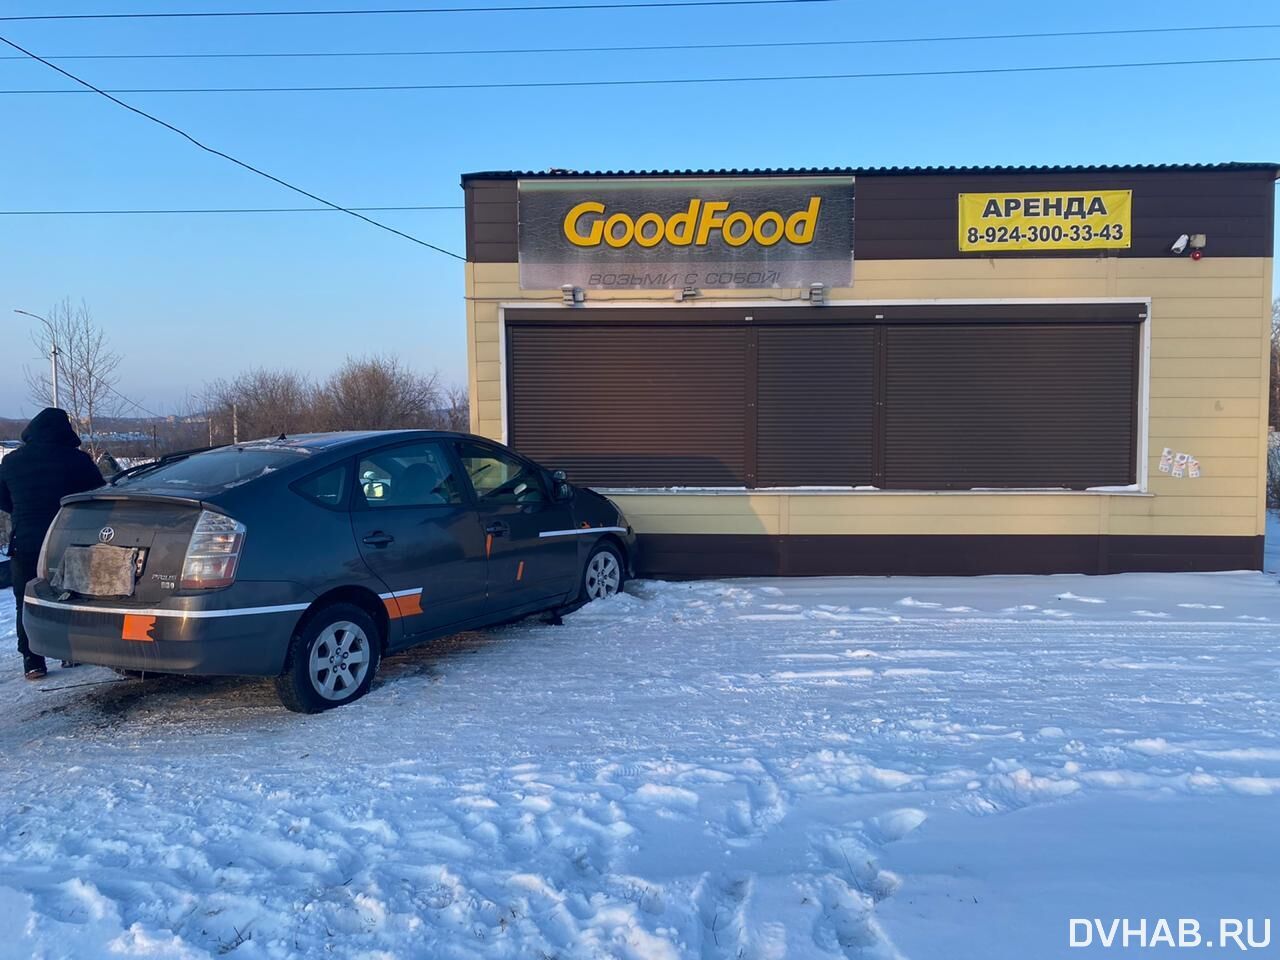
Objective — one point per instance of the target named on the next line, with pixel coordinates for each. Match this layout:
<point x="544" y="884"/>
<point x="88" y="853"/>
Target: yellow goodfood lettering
<point x="596" y="230"/>
<point x="710" y="219"/>
<point x="735" y="219"/>
<point x="680" y="225"/>
<point x="649" y="239"/>
<point x="802" y="225"/>
<point x="589" y="224"/>
<point x="628" y="230"/>
<point x="768" y="239"/>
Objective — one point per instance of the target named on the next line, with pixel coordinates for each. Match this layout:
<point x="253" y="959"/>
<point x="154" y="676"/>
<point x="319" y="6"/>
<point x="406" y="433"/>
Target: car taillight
<point x="42" y="563"/>
<point x="213" y="553"/>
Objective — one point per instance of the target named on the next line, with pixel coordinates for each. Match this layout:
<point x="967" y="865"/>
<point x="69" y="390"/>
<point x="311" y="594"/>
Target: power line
<point x="103" y="382"/>
<point x="538" y="7"/>
<point x="132" y="403"/>
<point x="761" y="45"/>
<point x="647" y="82"/>
<point x="103" y="213"/>
<point x="228" y="157"/>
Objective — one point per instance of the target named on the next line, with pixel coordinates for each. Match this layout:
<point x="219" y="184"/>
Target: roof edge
<point x="559" y="174"/>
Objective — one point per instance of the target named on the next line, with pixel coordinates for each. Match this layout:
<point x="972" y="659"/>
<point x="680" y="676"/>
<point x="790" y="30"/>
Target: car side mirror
<point x="561" y="485"/>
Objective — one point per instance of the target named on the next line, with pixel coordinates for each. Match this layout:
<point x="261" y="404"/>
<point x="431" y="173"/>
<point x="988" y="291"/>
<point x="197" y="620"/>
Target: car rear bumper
<point x="244" y="631"/>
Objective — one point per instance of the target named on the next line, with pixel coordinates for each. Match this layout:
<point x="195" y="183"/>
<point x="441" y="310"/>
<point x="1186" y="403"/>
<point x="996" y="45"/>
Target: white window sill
<point x="871" y="491"/>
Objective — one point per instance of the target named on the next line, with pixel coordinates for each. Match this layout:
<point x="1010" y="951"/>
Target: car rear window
<point x="327" y="488"/>
<point x="216" y="470"/>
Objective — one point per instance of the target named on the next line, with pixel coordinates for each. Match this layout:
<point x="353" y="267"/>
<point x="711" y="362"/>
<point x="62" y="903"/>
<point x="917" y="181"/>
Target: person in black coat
<point x="33" y="480"/>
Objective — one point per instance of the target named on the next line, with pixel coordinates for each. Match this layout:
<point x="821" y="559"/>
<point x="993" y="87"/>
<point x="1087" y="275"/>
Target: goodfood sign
<point x="669" y="234"/>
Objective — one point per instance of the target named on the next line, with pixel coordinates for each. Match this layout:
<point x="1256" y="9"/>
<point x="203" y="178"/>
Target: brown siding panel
<point x="816" y="406"/>
<point x="491" y="219"/>
<point x="914" y="216"/>
<point x="631" y="406"/>
<point x="978" y="405"/>
<point x="688" y="556"/>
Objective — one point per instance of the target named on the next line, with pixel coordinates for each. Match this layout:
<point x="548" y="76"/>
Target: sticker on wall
<point x="1179" y="465"/>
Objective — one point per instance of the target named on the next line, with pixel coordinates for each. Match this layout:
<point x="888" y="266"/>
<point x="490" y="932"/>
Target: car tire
<point x="332" y="660"/>
<point x="603" y="575"/>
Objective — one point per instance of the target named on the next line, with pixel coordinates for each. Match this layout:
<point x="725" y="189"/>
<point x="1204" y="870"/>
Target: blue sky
<point x="189" y="299"/>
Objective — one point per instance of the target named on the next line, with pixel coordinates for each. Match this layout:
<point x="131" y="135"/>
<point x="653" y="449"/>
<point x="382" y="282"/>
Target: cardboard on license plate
<point x="98" y="571"/>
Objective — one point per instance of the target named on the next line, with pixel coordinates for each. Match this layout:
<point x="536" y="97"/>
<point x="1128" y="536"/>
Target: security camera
<point x="1180" y="244"/>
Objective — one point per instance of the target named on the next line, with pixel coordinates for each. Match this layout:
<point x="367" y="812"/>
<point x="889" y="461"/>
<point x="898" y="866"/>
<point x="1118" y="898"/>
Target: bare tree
<point x="455" y="414"/>
<point x="378" y="393"/>
<point x="260" y="403"/>
<point x="86" y="369"/>
<point x="365" y="393"/>
<point x="1275" y="364"/>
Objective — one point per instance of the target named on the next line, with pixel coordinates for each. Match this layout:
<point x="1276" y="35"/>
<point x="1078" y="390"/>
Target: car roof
<point x="336" y="440"/>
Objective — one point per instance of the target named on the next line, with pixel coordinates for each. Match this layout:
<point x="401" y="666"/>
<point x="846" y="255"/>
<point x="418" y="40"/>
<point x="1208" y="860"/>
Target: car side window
<point x="413" y="475"/>
<point x="499" y="478"/>
<point x="328" y="488"/>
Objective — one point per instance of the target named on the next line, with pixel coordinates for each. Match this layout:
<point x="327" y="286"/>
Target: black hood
<point x="51" y="426"/>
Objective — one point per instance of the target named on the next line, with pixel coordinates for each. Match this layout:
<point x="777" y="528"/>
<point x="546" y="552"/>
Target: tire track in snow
<point x="569" y="791"/>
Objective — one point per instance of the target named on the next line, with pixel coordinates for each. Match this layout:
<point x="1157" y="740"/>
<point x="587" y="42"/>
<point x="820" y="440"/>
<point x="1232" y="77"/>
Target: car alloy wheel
<point x="332" y="659"/>
<point x="603" y="576"/>
<point x="339" y="660"/>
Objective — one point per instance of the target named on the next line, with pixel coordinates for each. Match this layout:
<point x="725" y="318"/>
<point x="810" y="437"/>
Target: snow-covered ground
<point x="863" y="768"/>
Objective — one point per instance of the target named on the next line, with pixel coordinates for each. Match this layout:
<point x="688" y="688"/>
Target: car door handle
<point x="497" y="529"/>
<point x="379" y="539"/>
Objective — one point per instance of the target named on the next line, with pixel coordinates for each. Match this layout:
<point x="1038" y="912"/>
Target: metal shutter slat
<point x="631" y="406"/>
<point x="972" y="405"/>
<point x="816" y="406"/>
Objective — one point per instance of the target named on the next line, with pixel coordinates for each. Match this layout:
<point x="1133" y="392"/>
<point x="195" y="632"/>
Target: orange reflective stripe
<point x="138" y="628"/>
<point x="520" y="571"/>
<point x="411" y="605"/>
<point x="406" y="606"/>
<point x="488" y="545"/>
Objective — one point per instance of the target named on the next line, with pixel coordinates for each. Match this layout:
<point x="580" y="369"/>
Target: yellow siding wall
<point x="1210" y="330"/>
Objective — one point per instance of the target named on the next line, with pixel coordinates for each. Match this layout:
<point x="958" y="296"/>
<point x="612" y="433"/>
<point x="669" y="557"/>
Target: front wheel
<point x="332" y="660"/>
<point x="603" y="575"/>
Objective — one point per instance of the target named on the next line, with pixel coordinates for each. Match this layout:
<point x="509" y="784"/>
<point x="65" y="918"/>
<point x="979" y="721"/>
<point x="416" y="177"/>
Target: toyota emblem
<point x="106" y="535"/>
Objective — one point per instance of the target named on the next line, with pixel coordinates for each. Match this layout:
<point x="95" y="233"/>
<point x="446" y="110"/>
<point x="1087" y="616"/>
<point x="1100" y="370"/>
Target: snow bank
<point x="797" y="768"/>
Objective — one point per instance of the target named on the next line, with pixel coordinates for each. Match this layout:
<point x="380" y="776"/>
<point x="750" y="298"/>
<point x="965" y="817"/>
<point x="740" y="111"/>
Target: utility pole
<point x="53" y="350"/>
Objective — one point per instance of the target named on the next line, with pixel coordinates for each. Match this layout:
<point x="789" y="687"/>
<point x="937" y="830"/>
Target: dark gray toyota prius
<point x="307" y="558"/>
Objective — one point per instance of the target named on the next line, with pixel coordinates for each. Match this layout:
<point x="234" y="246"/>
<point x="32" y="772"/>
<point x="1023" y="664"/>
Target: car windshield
<point x="217" y="470"/>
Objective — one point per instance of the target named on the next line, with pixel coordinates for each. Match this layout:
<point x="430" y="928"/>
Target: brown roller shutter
<point x="1010" y="405"/>
<point x="631" y="405"/>
<point x="816" y="406"/>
